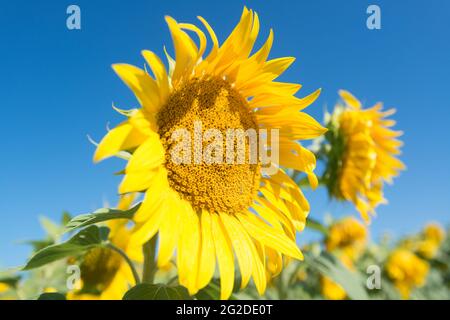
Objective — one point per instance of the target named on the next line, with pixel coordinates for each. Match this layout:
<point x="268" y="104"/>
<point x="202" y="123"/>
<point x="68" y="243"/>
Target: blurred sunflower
<point x="434" y="232"/>
<point x="406" y="270"/>
<point x="207" y="211"/>
<point x="331" y="290"/>
<point x="105" y="275"/>
<point x="361" y="153"/>
<point x="348" y="236"/>
<point x="4" y="287"/>
<point x="431" y="239"/>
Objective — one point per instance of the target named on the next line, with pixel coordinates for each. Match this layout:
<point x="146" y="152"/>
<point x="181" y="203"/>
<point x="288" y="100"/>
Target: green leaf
<point x="146" y="291"/>
<point x="86" y="239"/>
<point x="100" y="215"/>
<point x="317" y="226"/>
<point x="52" y="296"/>
<point x="329" y="266"/>
<point x="212" y="291"/>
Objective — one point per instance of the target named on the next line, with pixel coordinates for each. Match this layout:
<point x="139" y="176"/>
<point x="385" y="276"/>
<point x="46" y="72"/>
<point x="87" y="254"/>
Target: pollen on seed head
<point x="216" y="187"/>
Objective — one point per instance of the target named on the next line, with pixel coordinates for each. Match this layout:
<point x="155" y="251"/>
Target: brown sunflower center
<point x="99" y="268"/>
<point x="211" y="164"/>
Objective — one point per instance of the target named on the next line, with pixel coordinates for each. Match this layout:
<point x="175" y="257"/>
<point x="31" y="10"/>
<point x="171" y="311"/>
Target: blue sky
<point x="57" y="86"/>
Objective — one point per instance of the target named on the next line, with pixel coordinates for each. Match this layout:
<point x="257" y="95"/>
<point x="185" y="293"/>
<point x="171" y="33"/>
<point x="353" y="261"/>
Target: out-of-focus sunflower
<point x="7" y="292"/>
<point x="4" y="287"/>
<point x="331" y="290"/>
<point x="361" y="153"/>
<point x="432" y="237"/>
<point x="427" y="248"/>
<point x="207" y="211"/>
<point x="434" y="232"/>
<point x="348" y="236"/>
<point x="406" y="270"/>
<point x="104" y="273"/>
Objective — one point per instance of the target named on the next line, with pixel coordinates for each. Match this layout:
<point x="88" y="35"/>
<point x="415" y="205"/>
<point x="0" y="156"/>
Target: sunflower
<point x="406" y="270"/>
<point x="104" y="273"/>
<point x="434" y="232"/>
<point x="430" y="241"/>
<point x="331" y="290"/>
<point x="207" y="211"/>
<point x="361" y="154"/>
<point x="4" y="287"/>
<point x="347" y="236"/>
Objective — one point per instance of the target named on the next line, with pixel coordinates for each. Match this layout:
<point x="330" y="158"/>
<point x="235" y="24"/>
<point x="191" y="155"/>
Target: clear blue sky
<point x="56" y="86"/>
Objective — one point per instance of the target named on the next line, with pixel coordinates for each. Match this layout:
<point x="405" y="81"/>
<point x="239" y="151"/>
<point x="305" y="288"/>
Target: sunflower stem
<point x="148" y="274"/>
<point x="127" y="259"/>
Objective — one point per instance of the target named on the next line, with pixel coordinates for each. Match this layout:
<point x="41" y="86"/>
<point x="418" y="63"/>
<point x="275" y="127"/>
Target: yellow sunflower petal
<point x="142" y="85"/>
<point x="207" y="262"/>
<point x="350" y="99"/>
<point x="269" y="236"/>
<point x="240" y="246"/>
<point x="186" y="52"/>
<point x="212" y="35"/>
<point x="225" y="257"/>
<point x="169" y="230"/>
<point x="294" y="126"/>
<point x="159" y="70"/>
<point x="188" y="248"/>
<point x="154" y="211"/>
<point x="154" y="196"/>
<point x="149" y="155"/>
<point x="122" y="137"/>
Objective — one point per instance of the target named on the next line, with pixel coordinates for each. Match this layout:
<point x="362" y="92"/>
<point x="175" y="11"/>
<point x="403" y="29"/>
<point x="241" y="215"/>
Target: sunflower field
<point x="199" y="217"/>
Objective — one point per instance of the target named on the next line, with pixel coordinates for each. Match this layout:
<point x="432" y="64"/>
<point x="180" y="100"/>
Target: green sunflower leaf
<point x="212" y="291"/>
<point x="351" y="281"/>
<point x="100" y="215"/>
<point x="146" y="291"/>
<point x="52" y="296"/>
<point x="86" y="239"/>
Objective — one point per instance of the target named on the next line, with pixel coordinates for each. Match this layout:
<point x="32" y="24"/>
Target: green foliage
<point x="52" y="296"/>
<point x="100" y="215"/>
<point x="331" y="153"/>
<point x="10" y="280"/>
<point x="146" y="291"/>
<point x="47" y="268"/>
<point x="317" y="226"/>
<point x="352" y="282"/>
<point x="86" y="239"/>
<point x="212" y="291"/>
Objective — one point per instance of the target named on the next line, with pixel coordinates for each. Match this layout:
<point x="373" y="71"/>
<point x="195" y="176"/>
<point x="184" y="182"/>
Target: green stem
<point x="313" y="224"/>
<point x="130" y="263"/>
<point x="280" y="287"/>
<point x="148" y="274"/>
